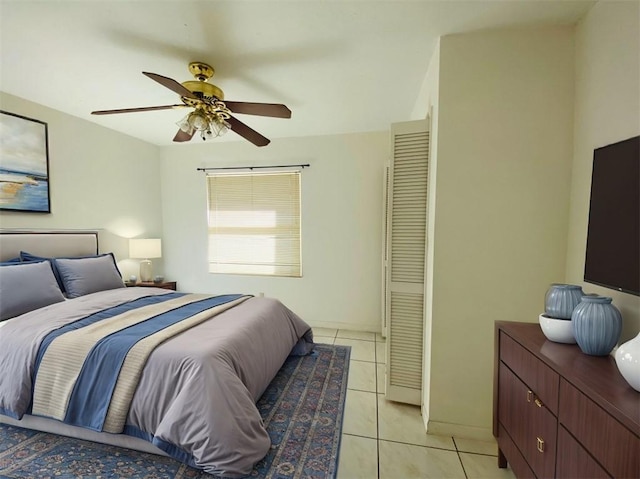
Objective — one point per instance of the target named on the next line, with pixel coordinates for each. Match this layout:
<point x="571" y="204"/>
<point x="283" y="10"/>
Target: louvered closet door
<point x="405" y="272"/>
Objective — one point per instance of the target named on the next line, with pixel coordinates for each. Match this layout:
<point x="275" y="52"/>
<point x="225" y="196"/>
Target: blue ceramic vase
<point x="561" y="299"/>
<point x="597" y="325"/>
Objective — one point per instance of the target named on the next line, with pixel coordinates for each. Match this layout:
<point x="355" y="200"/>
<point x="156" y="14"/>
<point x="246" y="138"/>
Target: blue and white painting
<point x="24" y="164"/>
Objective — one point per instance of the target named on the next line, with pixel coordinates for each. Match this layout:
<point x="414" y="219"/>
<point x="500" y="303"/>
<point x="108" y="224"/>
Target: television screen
<point x="613" y="237"/>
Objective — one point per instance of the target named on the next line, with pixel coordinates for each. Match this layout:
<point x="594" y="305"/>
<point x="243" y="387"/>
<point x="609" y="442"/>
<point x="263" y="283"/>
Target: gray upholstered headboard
<point x="47" y="243"/>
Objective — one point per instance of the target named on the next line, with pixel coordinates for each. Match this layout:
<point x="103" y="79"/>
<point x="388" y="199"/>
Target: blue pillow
<point x="11" y="261"/>
<point x="25" y="287"/>
<point x="15" y="261"/>
<point x="88" y="275"/>
<point x="24" y="256"/>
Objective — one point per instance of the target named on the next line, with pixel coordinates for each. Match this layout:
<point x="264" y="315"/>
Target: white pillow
<point x="82" y="276"/>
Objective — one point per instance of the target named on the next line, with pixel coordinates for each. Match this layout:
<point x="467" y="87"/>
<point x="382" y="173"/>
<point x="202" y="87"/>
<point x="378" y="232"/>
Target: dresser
<point x="559" y="412"/>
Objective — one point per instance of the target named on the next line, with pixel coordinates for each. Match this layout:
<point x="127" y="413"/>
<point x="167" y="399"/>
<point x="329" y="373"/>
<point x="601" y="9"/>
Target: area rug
<point x="302" y="410"/>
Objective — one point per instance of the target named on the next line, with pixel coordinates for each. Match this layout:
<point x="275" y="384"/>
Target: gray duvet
<point x="197" y="393"/>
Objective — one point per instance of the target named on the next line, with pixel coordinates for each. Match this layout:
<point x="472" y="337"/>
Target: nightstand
<point x="150" y="284"/>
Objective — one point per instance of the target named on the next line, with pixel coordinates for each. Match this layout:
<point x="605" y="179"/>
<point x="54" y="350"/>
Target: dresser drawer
<point x="539" y="377"/>
<point x="532" y="427"/>
<point x="517" y="462"/>
<point x="576" y="461"/>
<point x="614" y="446"/>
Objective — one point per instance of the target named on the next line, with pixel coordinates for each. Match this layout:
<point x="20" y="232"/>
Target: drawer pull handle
<point x="529" y="396"/>
<point x="540" y="445"/>
<point x="538" y="402"/>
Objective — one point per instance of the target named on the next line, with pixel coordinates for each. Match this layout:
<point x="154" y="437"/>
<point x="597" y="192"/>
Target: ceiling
<point x="340" y="66"/>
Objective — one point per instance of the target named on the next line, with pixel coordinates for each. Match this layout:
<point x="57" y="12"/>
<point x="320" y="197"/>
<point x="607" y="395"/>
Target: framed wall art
<point x="24" y="164"/>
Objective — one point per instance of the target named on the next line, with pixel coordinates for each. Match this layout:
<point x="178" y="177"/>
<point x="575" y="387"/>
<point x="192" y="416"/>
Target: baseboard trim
<point x="425" y="417"/>
<point x="371" y="328"/>
<point x="459" y="430"/>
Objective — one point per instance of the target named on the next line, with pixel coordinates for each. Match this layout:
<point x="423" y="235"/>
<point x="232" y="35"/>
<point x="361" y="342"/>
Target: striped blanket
<point x="86" y="372"/>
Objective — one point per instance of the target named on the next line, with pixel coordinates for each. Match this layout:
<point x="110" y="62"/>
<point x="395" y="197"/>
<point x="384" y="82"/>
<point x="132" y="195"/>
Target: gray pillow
<point x="27" y="286"/>
<point x="82" y="276"/>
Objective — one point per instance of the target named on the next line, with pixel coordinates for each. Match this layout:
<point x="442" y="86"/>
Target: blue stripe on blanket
<point x="91" y="396"/>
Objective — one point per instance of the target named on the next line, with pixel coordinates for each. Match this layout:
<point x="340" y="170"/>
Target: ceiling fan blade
<point x="132" y="110"/>
<point x="171" y="84"/>
<point x="183" y="136"/>
<point x="276" y="110"/>
<point x="247" y="132"/>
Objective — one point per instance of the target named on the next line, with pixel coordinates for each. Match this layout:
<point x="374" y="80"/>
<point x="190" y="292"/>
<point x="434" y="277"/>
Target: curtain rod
<point x="252" y="167"/>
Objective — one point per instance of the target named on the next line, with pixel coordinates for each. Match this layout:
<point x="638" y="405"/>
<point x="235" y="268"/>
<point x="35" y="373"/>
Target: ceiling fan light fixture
<point x="198" y="120"/>
<point x="217" y="127"/>
<point x="210" y="126"/>
<point x="184" y="125"/>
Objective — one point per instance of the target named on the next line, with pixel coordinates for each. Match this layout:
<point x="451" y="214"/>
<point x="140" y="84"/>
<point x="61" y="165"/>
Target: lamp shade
<point x="145" y="248"/>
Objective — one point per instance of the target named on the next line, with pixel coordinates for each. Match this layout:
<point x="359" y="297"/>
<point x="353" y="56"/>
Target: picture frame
<point x="24" y="164"/>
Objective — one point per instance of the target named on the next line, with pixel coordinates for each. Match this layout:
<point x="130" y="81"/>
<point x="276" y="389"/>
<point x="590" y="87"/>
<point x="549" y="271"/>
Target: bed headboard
<point x="47" y="243"/>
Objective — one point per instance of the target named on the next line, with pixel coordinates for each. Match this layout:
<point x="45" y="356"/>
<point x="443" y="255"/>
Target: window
<point x="254" y="223"/>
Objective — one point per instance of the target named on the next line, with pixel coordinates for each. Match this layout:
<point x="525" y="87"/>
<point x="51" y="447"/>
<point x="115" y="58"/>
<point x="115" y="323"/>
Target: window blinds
<point x="254" y="223"/>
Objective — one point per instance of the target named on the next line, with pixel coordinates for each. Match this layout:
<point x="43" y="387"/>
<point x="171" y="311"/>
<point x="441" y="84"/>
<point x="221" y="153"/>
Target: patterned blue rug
<point x="302" y="409"/>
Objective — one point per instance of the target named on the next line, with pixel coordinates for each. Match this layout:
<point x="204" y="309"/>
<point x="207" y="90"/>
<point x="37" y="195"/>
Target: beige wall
<point x="426" y="106"/>
<point x="607" y="111"/>
<point x="505" y="124"/>
<point x="341" y="224"/>
<point x="99" y="179"/>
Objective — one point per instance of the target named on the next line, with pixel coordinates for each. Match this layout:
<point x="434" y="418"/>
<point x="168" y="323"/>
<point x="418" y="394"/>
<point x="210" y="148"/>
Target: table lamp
<point x="144" y="249"/>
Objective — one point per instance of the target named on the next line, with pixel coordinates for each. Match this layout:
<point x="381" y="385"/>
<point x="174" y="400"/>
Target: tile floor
<point x="386" y="440"/>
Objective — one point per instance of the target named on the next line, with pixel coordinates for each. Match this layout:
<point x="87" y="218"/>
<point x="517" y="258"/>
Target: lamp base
<point x="146" y="270"/>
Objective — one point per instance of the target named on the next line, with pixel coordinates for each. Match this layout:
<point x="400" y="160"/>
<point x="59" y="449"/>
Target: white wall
<point x="505" y="123"/>
<point x="341" y="224"/>
<point x="607" y="111"/>
<point x="427" y="106"/>
<point x="99" y="179"/>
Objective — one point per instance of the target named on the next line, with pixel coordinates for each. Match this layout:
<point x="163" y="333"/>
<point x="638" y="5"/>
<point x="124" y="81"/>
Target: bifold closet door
<point x="405" y="260"/>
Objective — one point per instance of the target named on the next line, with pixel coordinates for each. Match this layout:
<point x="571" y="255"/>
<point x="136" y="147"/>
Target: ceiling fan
<point x="211" y="115"/>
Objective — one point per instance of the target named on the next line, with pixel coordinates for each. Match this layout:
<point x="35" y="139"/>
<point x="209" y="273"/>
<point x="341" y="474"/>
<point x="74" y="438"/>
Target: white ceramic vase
<point x="628" y="361"/>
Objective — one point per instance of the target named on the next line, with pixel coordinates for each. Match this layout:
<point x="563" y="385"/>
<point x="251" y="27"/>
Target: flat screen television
<point x="613" y="236"/>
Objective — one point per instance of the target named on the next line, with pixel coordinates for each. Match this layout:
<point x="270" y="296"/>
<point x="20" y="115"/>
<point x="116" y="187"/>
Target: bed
<point x="145" y="368"/>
